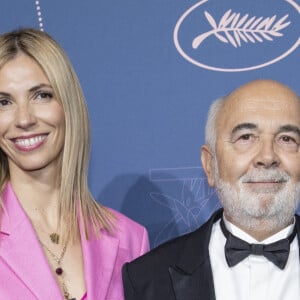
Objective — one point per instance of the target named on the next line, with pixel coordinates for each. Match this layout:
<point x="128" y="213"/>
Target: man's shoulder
<point x="151" y="272"/>
<point x="168" y="253"/>
<point x="165" y="253"/>
<point x="297" y="216"/>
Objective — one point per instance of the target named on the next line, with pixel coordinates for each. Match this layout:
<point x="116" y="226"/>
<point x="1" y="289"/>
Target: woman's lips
<point x="29" y="143"/>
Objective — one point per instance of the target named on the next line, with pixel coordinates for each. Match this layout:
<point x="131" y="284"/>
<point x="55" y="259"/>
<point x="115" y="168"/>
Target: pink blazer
<point x="24" y="270"/>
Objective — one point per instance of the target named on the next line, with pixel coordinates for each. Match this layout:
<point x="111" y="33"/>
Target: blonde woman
<point x="56" y="241"/>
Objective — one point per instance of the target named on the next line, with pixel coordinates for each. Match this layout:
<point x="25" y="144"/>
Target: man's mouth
<point x="265" y="186"/>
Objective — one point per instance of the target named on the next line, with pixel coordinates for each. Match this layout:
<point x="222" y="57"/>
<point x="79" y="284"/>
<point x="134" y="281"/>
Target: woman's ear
<point x="207" y="159"/>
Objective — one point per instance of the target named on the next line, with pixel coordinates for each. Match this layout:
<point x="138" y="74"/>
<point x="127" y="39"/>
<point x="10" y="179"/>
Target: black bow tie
<point x="236" y="249"/>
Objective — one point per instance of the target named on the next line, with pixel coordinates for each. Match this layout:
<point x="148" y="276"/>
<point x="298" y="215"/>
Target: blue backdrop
<point x="149" y="71"/>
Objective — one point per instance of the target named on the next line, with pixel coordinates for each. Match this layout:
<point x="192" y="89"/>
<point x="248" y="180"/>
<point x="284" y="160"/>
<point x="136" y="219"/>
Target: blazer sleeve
<point x="145" y="246"/>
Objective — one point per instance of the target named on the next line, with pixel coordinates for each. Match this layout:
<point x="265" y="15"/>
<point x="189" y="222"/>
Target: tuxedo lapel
<point x="99" y="262"/>
<point x="21" y="250"/>
<point x="192" y="275"/>
<point x="195" y="286"/>
<point x="298" y="230"/>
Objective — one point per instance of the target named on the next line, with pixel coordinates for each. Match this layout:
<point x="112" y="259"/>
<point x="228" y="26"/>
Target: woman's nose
<point x="25" y="117"/>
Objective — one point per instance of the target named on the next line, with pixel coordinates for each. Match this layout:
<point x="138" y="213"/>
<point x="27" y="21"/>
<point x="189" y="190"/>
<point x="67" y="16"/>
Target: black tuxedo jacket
<point x="177" y="270"/>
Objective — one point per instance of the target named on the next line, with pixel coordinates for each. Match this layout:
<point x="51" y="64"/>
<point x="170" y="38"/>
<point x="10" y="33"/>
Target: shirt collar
<point x="285" y="232"/>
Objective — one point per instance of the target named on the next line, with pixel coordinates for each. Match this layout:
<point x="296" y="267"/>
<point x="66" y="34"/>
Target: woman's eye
<point x="4" y="102"/>
<point x="44" y="95"/>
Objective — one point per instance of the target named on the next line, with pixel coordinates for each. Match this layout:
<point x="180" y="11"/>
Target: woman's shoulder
<point x="124" y="222"/>
<point x="128" y="231"/>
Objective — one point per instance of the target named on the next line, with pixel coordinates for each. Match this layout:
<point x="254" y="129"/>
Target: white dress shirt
<point x="254" y="278"/>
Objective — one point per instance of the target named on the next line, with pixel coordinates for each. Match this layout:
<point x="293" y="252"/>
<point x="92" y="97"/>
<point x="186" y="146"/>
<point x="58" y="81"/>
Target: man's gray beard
<point x="251" y="210"/>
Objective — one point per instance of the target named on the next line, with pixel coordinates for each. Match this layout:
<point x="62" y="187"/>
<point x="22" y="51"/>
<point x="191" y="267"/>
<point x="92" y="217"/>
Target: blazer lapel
<point x="192" y="275"/>
<point x="99" y="260"/>
<point x="21" y="250"/>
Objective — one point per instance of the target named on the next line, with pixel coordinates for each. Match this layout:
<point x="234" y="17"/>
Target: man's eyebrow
<point x="289" y="128"/>
<point x="243" y="126"/>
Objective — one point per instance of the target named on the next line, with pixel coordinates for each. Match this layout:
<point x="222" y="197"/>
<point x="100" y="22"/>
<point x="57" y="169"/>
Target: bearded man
<point x="249" y="250"/>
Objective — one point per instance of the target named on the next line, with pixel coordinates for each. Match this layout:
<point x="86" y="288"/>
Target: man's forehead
<point x="260" y="101"/>
<point x="253" y="104"/>
<point x="259" y="95"/>
<point x="263" y="89"/>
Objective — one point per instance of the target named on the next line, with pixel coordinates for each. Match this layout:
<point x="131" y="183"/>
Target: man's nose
<point x="266" y="156"/>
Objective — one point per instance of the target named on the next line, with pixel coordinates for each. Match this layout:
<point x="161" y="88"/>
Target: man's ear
<point x="207" y="159"/>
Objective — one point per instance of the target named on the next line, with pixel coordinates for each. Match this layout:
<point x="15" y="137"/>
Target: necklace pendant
<point x="54" y="238"/>
<point x="66" y="295"/>
<point x="59" y="271"/>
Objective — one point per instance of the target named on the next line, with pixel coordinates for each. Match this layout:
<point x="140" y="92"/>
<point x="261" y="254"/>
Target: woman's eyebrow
<point x="37" y="87"/>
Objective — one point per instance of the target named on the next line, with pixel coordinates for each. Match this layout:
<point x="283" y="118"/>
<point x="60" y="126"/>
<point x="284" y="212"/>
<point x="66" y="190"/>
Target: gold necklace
<point x="59" y="270"/>
<point x="54" y="236"/>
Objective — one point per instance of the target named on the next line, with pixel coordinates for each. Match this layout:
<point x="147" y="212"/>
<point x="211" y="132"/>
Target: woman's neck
<point x="38" y="194"/>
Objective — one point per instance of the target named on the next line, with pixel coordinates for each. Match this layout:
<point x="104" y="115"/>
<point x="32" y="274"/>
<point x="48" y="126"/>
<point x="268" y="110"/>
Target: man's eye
<point x="288" y="139"/>
<point x="289" y="143"/>
<point x="245" y="137"/>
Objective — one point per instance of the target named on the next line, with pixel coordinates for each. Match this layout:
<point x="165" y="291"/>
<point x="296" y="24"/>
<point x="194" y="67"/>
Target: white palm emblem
<point x="234" y="29"/>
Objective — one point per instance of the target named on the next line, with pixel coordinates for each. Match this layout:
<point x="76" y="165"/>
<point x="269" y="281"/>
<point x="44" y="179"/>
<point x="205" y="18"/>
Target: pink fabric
<point x="84" y="297"/>
<point x="25" y="272"/>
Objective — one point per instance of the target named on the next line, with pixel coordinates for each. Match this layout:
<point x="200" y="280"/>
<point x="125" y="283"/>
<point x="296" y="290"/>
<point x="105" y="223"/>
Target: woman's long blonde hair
<point x="76" y="201"/>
